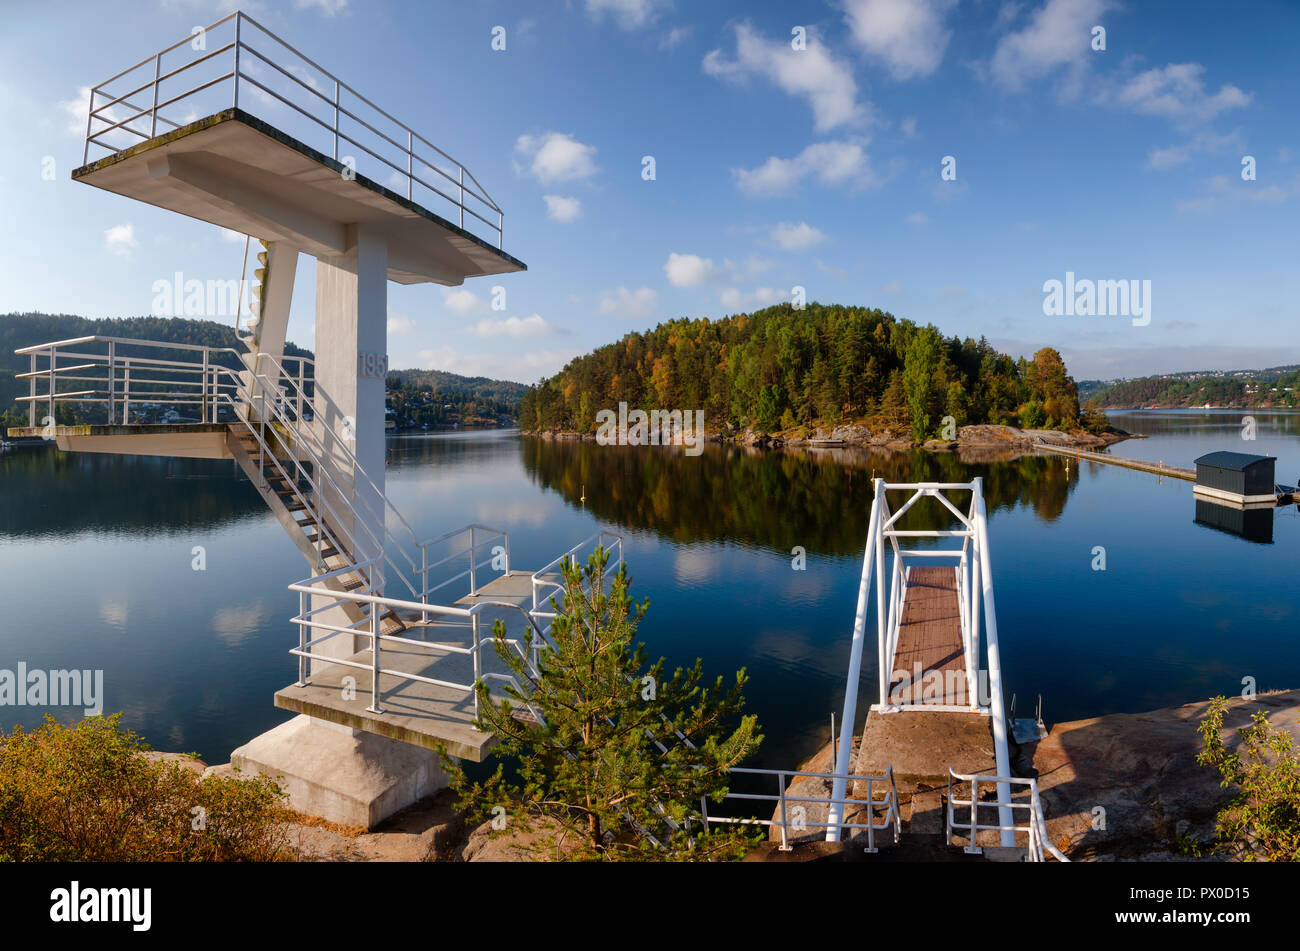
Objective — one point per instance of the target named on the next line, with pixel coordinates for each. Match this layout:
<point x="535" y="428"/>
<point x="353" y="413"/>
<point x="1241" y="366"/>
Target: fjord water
<point x="98" y="556"/>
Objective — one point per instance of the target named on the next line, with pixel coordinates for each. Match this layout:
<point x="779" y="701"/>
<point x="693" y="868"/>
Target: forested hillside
<point x="24" y="330"/>
<point x="1278" y="387"/>
<point x="780" y="367"/>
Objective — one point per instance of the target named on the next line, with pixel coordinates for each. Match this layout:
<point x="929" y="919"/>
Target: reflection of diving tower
<point x="288" y="154"/>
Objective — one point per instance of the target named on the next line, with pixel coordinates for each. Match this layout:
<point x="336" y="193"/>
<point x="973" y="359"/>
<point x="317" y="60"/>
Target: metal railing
<point x="479" y="537"/>
<point x="248" y="67"/>
<point x="548" y="581"/>
<point x="782" y="799"/>
<point x="1035" y="826"/>
<point x="375" y="606"/>
<point x="973" y="578"/>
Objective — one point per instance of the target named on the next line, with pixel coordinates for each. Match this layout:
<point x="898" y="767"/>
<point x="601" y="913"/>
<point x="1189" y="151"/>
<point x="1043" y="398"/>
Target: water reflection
<point x="47" y="492"/>
<point x="776" y="499"/>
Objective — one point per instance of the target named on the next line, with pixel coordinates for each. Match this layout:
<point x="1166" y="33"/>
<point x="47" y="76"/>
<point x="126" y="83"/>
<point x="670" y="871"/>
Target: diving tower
<point x="235" y="127"/>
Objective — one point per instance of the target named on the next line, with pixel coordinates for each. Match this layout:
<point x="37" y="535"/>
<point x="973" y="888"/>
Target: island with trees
<point x="823" y="372"/>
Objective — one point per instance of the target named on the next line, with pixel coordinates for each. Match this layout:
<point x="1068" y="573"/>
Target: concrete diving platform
<point x="414" y="712"/>
<point x="184" y="440"/>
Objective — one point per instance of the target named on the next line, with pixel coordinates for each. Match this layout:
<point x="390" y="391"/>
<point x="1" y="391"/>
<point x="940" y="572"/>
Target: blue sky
<point x="774" y="167"/>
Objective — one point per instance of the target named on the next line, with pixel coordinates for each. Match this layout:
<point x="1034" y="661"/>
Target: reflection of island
<point x="1252" y="524"/>
<point x="47" y="492"/>
<point x="816" y="499"/>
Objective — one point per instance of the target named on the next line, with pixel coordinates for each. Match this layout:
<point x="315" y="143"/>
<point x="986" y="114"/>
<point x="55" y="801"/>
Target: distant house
<point x="1237" y="477"/>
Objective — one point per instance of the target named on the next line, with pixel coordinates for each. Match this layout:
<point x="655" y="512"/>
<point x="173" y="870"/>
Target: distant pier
<point x="1156" y="468"/>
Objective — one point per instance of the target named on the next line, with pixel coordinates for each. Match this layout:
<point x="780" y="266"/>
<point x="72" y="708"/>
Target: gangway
<point x="938" y="666"/>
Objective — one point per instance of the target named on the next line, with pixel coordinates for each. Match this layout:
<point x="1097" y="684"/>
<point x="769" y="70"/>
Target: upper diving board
<point x="245" y="132"/>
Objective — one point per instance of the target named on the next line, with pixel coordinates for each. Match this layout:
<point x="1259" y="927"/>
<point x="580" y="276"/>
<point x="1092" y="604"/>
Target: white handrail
<point x="406" y="142"/>
<point x="833" y="822"/>
<point x="1036" y="824"/>
<point x="845" y="752"/>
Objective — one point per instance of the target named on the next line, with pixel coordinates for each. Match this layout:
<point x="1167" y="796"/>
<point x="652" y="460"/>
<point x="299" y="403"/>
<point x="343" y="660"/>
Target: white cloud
<point x="1227" y="190"/>
<point x="628" y="14"/>
<point x="893" y="287"/>
<point x="831" y="163"/>
<point x="234" y="237"/>
<point x="77" y="109"/>
<point x="675" y="38"/>
<point x="398" y="324"/>
<point x="559" y="208"/>
<point x="917" y="218"/>
<point x="534" y="326"/>
<point x="908" y="36"/>
<point x="908" y="127"/>
<point x="1206" y="142"/>
<point x="461" y="301"/>
<point x="326" y="7"/>
<point x="797" y="237"/>
<point x="120" y="239"/>
<point x="733" y="299"/>
<point x="750" y="268"/>
<point x="556" y="157"/>
<point x="1177" y="91"/>
<point x="1057" y="35"/>
<point x="687" y="270"/>
<point x="640" y="303"/>
<point x="812" y="73"/>
<point x="525" y="366"/>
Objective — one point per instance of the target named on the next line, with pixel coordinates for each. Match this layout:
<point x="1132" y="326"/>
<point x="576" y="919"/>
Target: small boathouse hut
<point x="1236" y="477"/>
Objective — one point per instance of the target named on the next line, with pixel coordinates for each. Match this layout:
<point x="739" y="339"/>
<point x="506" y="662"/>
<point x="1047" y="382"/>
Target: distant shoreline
<point x="983" y="437"/>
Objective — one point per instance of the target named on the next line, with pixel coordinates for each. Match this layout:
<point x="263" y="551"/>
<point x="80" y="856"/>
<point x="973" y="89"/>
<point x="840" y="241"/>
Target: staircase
<point x="326" y="549"/>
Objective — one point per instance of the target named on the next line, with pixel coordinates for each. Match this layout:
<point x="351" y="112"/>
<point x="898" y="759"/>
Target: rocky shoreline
<point x="1119" y="787"/>
<point x="984" y="438"/>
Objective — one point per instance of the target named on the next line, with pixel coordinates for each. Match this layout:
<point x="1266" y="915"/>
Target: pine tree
<point x="612" y="760"/>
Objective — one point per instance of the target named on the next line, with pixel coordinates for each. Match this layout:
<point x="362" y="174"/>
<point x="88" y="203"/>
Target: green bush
<point x="85" y="793"/>
<point x="1262" y="824"/>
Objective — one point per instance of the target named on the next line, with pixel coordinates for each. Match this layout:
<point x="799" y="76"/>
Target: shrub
<point x="85" y="793"/>
<point x="1263" y="822"/>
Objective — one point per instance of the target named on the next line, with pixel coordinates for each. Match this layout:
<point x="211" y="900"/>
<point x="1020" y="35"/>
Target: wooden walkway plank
<point x="929" y="639"/>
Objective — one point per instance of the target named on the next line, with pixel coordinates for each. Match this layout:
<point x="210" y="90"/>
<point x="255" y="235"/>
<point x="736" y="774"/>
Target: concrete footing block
<point x="340" y="774"/>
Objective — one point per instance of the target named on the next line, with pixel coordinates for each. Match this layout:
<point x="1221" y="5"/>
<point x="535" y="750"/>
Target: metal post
<point x="31" y="391"/>
<point x="409" y="157"/>
<point x="90" y="111"/>
<point x="424" y="581"/>
<point x="478" y="662"/>
<point x="871" y="818"/>
<point x="126" y="394"/>
<point x="112" y="372"/>
<point x="840" y="781"/>
<point x="996" y="711"/>
<point x="972" y="843"/>
<point x="374" y="660"/>
<point x="473" y="585"/>
<point x="235" y="77"/>
<point x="203" y="398"/>
<point x="153" y="120"/>
<point x="50" y="394"/>
<point x="302" y="639"/>
<point x="462" y="196"/>
<point x="336" y="120"/>
<point x="780" y="780"/>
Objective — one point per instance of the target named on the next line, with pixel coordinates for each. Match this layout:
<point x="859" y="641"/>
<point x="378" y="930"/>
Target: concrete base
<point x="339" y="774"/>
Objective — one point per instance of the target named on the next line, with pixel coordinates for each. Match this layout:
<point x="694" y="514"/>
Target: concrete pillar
<point x="270" y="330"/>
<point x="282" y="262"/>
<point x="351" y="358"/>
